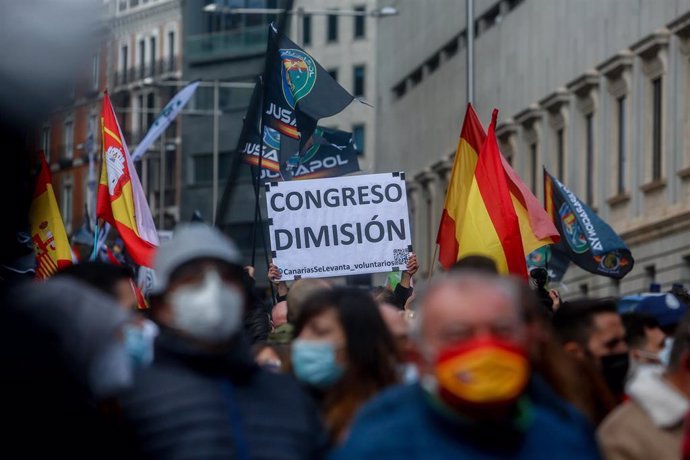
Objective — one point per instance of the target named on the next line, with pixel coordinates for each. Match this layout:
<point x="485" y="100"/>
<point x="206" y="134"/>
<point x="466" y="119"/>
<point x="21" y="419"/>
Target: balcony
<point x="227" y="45"/>
<point x="159" y="69"/>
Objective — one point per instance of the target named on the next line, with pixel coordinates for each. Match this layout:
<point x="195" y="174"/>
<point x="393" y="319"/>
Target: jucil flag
<point x="587" y="240"/>
<point x="298" y="92"/>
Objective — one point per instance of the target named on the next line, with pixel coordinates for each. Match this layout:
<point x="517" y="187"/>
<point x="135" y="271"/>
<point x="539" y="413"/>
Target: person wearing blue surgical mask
<point x="343" y="353"/>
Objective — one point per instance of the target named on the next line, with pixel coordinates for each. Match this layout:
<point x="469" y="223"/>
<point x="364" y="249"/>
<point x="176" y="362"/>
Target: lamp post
<point x="216" y="112"/>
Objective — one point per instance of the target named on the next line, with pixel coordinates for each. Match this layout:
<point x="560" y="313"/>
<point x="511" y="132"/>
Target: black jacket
<point x="257" y="320"/>
<point x="193" y="404"/>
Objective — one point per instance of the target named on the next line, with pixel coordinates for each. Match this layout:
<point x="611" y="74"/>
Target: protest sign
<point x="339" y="226"/>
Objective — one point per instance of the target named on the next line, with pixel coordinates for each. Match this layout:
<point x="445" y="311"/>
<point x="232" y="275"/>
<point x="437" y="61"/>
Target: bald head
<point x="279" y="313"/>
<point x="464" y="306"/>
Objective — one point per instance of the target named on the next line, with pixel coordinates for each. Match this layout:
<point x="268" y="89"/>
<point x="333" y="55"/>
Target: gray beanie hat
<point x="191" y="241"/>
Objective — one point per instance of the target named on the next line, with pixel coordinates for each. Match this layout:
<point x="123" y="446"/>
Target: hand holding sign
<point x="412" y="265"/>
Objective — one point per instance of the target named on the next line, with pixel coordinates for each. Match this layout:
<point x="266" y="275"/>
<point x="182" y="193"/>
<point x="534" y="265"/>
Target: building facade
<point x="146" y="57"/>
<point x="597" y="92"/>
<point x="136" y="58"/>
<point x="70" y="134"/>
<point x="227" y="51"/>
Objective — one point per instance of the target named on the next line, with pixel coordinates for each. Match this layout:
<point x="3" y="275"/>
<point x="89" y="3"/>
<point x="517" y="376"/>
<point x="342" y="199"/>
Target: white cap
<point x="189" y="242"/>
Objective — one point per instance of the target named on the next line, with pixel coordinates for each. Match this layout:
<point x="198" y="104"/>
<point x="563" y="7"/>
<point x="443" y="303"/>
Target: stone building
<point x="597" y="92"/>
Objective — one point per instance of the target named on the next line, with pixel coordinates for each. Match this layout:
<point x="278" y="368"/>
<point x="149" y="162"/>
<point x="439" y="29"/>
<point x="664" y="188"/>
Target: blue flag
<point x="586" y="240"/>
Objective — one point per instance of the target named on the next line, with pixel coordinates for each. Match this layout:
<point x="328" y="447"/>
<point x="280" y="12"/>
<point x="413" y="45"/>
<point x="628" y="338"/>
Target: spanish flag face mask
<point x="482" y="372"/>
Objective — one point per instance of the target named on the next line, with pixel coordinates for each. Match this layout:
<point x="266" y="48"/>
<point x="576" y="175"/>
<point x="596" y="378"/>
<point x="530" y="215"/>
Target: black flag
<point x="298" y="92"/>
<point x="329" y="153"/>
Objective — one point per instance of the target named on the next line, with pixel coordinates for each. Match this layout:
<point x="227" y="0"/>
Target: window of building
<point x="68" y="139"/>
<point x="333" y="73"/>
<point x="123" y="59"/>
<point x="171" y="50"/>
<point x="560" y="152"/>
<point x="94" y="133"/>
<point x="433" y="62"/>
<point x="171" y="165"/>
<point x="656" y="128"/>
<point x="306" y="30"/>
<point x="358" y="138"/>
<point x="45" y="142"/>
<point x="400" y="89"/>
<point x="360" y="23"/>
<point x="152" y="43"/>
<point x="533" y="166"/>
<point x="142" y="57"/>
<point x="686" y="269"/>
<point x="332" y="28"/>
<point x="589" y="158"/>
<point x="150" y="109"/>
<point x="66" y="208"/>
<point x="416" y="76"/>
<point x="451" y="48"/>
<point x="202" y="167"/>
<point x="142" y="115"/>
<point x="621" y="145"/>
<point x="358" y="78"/>
<point x="126" y="118"/>
<point x="95" y="71"/>
<point x="650" y="275"/>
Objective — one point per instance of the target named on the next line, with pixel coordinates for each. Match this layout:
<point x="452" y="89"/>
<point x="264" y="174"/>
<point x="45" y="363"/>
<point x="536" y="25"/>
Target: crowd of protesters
<point x="467" y="364"/>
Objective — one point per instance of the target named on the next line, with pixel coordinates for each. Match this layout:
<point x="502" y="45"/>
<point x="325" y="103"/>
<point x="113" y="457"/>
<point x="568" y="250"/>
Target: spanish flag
<point x="51" y="245"/>
<point x="121" y="200"/>
<point x="473" y="220"/>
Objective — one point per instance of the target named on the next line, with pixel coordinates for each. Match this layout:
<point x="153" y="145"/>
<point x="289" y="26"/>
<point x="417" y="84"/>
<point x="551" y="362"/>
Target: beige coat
<point x="649" y="426"/>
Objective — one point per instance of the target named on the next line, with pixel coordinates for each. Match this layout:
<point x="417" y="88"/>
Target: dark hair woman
<point x="344" y="353"/>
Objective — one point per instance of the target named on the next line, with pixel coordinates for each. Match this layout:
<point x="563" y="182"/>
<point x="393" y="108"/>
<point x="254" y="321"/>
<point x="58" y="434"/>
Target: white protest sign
<point x="339" y="226"/>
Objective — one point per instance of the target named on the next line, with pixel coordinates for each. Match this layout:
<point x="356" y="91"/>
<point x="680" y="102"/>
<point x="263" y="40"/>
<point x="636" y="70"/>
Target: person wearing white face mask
<point x="646" y="342"/>
<point x="650" y="425"/>
<point x="203" y="377"/>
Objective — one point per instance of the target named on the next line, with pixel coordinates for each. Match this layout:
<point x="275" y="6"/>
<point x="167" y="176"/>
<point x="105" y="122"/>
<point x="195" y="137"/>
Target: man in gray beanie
<point x="204" y="397"/>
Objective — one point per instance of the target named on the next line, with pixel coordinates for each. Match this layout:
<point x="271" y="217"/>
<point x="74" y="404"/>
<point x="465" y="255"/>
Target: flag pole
<point x="234" y="169"/>
<point x="257" y="184"/>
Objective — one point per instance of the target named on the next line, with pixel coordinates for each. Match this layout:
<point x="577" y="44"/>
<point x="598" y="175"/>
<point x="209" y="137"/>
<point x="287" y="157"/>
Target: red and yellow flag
<point x="121" y="200"/>
<point x="486" y="236"/>
<point x="51" y="245"/>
